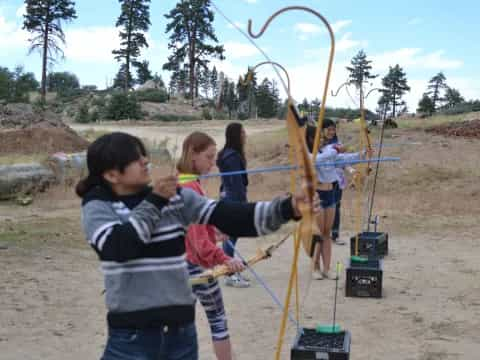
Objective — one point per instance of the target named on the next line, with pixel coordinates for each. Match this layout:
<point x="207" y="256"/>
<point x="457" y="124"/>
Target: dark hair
<point x="196" y="142"/>
<point x="233" y="140"/>
<point x="111" y="151"/>
<point x="310" y="136"/>
<point x="328" y="123"/>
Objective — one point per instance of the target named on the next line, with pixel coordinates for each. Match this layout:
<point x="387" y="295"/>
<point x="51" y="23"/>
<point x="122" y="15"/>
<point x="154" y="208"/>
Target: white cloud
<point x="339" y="25"/>
<point x="306" y="30"/>
<point x="346" y="43"/>
<point x="415" y="58"/>
<point x="237" y="24"/>
<point x="250" y="1"/>
<point x="91" y="44"/>
<point x="12" y="37"/>
<point x="235" y="50"/>
<point x="415" y="21"/>
<point x="22" y="10"/>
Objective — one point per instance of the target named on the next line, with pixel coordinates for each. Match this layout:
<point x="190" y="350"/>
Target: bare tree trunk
<point x="43" y="89"/>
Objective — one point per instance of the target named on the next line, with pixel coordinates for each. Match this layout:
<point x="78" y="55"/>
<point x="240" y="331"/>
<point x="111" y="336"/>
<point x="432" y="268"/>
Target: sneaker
<point x="318" y="275"/>
<point x="241" y="276"/>
<point x="235" y="281"/>
<point x="339" y="242"/>
<point x="329" y="275"/>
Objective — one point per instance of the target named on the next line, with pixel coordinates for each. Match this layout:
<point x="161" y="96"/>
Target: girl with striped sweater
<point x="138" y="233"/>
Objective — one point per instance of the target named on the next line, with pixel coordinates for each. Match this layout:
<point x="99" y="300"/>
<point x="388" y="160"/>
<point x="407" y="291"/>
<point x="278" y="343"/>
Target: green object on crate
<point x="328" y="329"/>
<point x="358" y="259"/>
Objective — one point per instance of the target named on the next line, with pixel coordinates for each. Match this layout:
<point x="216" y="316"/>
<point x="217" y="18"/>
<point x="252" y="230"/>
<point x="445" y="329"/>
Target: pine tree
<point x="360" y="72"/>
<point x="435" y="86"/>
<point x="453" y="97"/>
<point x="143" y="72"/>
<point x="122" y="78"/>
<point x="204" y="79"/>
<point x="425" y="105"/>
<point x="395" y="84"/>
<point x="214" y="82"/>
<point x="43" y="19"/>
<point x="191" y="28"/>
<point x="134" y="21"/>
<point x="267" y="99"/>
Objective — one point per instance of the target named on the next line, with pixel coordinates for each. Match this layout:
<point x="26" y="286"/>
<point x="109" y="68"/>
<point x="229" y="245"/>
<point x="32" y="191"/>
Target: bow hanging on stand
<point x="300" y="154"/>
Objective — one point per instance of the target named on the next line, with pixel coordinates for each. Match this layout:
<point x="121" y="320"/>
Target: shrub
<point x="152" y="95"/>
<point x="123" y="106"/>
<point x="206" y="115"/>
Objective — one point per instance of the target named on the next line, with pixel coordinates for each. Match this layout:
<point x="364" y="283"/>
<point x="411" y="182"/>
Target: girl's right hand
<point x="340" y="148"/>
<point x="235" y="265"/>
<point x="166" y="186"/>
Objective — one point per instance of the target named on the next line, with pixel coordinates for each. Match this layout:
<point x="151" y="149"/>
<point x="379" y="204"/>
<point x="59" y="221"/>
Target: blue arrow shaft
<point x="294" y="167"/>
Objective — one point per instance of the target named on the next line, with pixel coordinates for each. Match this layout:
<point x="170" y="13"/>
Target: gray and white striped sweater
<point x="140" y="242"/>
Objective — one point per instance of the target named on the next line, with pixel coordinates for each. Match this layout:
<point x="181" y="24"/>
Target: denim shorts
<point x="167" y="343"/>
<point x="328" y="198"/>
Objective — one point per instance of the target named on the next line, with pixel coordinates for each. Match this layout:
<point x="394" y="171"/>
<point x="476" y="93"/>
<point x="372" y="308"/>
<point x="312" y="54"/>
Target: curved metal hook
<point x="249" y="76"/>
<point x="378" y="89"/>
<point x="339" y="88"/>
<point x="321" y="115"/>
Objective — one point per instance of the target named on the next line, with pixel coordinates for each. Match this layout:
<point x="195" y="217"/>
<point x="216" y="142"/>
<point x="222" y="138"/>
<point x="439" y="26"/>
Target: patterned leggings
<point x="210" y="296"/>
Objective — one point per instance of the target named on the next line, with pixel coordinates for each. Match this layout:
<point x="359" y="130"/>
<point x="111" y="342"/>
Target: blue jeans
<point x="229" y="247"/>
<point x="174" y="343"/>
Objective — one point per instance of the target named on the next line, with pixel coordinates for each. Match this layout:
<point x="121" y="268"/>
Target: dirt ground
<point x="51" y="288"/>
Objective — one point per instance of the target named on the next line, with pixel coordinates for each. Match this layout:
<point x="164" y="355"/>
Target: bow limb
<point x="223" y="270"/>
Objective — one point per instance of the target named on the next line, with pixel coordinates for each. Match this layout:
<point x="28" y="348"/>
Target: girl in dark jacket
<point x="234" y="187"/>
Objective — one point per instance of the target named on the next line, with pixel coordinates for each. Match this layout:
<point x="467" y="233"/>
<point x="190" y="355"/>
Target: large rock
<point x="24" y="179"/>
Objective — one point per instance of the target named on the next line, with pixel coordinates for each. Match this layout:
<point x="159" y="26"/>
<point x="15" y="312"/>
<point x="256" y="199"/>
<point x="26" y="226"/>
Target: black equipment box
<point x="371" y="244"/>
<point x="364" y="278"/>
<point x="312" y="345"/>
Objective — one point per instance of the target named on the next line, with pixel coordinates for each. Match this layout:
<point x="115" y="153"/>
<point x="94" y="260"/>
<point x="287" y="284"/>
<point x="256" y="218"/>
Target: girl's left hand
<point x="219" y="236"/>
<point x="301" y="199"/>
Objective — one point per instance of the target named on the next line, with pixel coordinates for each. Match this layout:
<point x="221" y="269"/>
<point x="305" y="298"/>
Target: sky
<point x="423" y="37"/>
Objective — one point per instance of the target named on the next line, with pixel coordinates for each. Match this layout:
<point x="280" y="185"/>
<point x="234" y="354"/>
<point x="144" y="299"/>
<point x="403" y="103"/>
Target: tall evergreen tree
<point x="157" y="79"/>
<point x="191" y="27"/>
<point x="360" y="72"/>
<point x="395" y="82"/>
<point x="453" y="97"/>
<point x="204" y="80"/>
<point x="123" y="77"/>
<point x="214" y="82"/>
<point x="384" y="104"/>
<point x="425" y="105"/>
<point x="143" y="72"/>
<point x="246" y="91"/>
<point x="134" y="21"/>
<point x="43" y="19"/>
<point x="267" y="99"/>
<point x="435" y="86"/>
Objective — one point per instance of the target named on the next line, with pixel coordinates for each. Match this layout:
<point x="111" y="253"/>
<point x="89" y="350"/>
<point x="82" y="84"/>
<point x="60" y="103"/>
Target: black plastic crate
<point x="311" y="345"/>
<point x="370" y="243"/>
<point x="364" y="279"/>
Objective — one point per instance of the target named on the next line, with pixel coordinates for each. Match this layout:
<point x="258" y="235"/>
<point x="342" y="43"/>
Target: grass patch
<point x="417" y="123"/>
<point x="175" y="117"/>
<point x="12" y="159"/>
<point x="39" y="232"/>
<point x="92" y="134"/>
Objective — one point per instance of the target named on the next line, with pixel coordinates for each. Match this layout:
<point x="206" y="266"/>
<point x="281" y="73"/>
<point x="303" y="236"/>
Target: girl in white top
<point x="326" y="177"/>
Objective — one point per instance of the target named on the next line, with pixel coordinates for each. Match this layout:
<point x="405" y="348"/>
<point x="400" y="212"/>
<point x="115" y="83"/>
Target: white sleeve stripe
<point x="206" y="217"/>
<point x="101" y="229"/>
<point x="139" y="228"/>
<point x="102" y="240"/>
<point x="204" y="211"/>
<point x="257" y="218"/>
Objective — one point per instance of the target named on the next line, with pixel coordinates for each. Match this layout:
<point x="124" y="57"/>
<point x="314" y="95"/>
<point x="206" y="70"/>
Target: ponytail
<point x="87" y="184"/>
